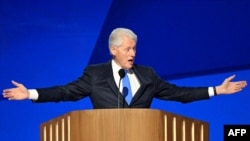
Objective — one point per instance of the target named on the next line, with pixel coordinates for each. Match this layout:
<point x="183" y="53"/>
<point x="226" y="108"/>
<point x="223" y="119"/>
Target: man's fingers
<point x="16" y="83"/>
<point x="7" y="95"/>
<point x="11" y="98"/>
<point x="230" y="78"/>
<point x="241" y="84"/>
<point x="6" y="91"/>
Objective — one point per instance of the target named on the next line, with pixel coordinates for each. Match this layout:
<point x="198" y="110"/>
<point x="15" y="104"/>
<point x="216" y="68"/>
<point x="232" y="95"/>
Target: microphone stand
<point x="119" y="121"/>
<point x="121" y="74"/>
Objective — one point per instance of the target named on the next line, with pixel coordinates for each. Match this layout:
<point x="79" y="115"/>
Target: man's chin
<point x="128" y="67"/>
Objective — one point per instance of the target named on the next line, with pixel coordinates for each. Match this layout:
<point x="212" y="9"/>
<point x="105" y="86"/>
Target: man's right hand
<point x="20" y="92"/>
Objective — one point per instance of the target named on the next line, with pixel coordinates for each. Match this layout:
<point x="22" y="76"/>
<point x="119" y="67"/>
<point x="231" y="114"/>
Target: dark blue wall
<point x="193" y="43"/>
<point x="44" y="43"/>
<point x="182" y="37"/>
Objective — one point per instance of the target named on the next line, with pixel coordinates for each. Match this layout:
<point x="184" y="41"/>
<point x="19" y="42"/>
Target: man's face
<point x="125" y="54"/>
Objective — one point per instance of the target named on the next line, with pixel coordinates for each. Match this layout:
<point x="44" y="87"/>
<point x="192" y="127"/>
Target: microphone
<point x="121" y="74"/>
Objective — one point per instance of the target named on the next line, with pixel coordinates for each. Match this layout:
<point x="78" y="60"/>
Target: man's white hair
<point x="115" y="38"/>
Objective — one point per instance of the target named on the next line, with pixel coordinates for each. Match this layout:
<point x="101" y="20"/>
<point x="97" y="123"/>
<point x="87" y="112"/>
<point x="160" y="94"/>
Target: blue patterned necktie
<point x="127" y="93"/>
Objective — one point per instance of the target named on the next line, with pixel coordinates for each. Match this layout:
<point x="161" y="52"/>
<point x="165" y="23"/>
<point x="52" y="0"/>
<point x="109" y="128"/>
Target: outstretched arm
<point x="229" y="87"/>
<point x="20" y="92"/>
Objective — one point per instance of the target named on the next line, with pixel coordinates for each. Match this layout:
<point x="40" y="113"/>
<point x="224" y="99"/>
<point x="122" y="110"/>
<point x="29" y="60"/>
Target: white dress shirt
<point x="134" y="82"/>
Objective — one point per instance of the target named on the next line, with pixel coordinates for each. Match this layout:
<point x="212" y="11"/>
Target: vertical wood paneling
<point x="123" y="125"/>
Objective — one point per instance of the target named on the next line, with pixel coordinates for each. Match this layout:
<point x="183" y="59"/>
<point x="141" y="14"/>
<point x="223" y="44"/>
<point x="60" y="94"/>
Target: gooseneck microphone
<point x="121" y="74"/>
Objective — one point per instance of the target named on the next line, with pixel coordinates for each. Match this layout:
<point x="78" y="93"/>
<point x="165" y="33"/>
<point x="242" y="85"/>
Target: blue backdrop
<point x="189" y="43"/>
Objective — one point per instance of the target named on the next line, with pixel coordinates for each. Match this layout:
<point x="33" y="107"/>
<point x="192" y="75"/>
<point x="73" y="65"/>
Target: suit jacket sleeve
<point x="168" y="91"/>
<point x="73" y="91"/>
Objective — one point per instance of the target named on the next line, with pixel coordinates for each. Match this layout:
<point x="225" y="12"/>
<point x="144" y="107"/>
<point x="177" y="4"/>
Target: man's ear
<point x="113" y="50"/>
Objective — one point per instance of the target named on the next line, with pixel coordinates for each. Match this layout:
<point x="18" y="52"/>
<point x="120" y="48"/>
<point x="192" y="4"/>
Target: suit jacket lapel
<point x="111" y="81"/>
<point x="142" y="88"/>
<point x="110" y="78"/>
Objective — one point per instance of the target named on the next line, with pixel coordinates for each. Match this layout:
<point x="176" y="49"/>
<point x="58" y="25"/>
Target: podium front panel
<point x="123" y="125"/>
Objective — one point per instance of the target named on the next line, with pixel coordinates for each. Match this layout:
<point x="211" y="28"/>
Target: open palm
<point x="20" y="92"/>
<point x="229" y="87"/>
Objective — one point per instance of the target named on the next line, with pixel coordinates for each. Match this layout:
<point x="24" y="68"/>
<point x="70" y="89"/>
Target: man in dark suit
<point x="102" y="82"/>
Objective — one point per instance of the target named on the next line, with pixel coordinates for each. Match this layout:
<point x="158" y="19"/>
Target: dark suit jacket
<point x="98" y="83"/>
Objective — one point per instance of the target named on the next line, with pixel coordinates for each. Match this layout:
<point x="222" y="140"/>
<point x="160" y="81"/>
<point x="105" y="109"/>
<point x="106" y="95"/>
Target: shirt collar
<point x="116" y="67"/>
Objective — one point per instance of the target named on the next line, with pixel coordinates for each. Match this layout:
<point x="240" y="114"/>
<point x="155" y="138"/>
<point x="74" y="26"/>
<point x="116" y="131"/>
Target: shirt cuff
<point x="33" y="94"/>
<point x="210" y="91"/>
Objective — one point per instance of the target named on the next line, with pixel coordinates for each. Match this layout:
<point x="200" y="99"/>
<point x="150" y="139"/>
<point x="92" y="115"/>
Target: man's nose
<point x="132" y="52"/>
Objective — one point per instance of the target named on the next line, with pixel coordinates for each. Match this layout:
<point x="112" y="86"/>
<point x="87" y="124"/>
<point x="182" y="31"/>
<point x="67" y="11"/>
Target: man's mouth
<point x="131" y="60"/>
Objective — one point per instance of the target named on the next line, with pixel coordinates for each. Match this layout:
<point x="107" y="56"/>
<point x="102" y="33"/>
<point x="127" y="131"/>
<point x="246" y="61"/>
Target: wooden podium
<point x="123" y="125"/>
